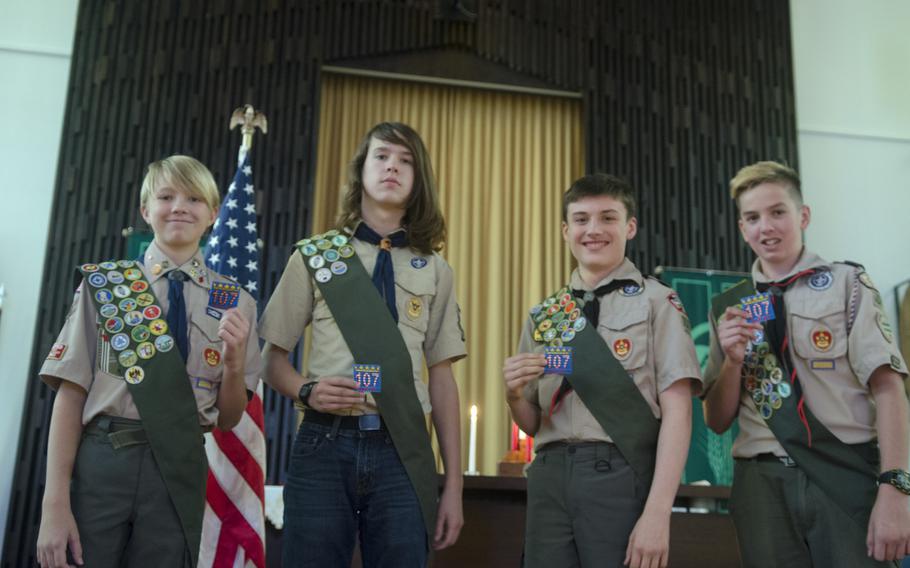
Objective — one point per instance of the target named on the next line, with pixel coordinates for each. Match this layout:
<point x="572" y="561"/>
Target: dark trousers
<point x="784" y="520"/>
<point x="583" y="502"/>
<point x="342" y="482"/>
<point x="122" y="508"/>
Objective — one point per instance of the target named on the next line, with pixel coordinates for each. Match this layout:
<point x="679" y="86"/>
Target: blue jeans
<point x="344" y="482"/>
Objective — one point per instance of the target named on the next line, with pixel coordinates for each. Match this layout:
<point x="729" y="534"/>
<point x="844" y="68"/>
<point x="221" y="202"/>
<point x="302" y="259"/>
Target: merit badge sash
<point x="838" y="468"/>
<point x="375" y="340"/>
<point x="133" y="327"/>
<point x="604" y="386"/>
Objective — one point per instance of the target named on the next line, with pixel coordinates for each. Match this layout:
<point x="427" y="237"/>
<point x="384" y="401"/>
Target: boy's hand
<point x="234" y="330"/>
<point x="734" y="333"/>
<point x="519" y="370"/>
<point x="335" y="393"/>
<point x="58" y="530"/>
<point x="888" y="538"/>
<point x="649" y="544"/>
<point x="449" y="519"/>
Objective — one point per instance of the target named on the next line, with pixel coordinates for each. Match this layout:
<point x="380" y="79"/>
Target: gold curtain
<point x="502" y="161"/>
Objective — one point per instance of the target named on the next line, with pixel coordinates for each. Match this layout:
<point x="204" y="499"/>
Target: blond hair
<point x="182" y="172"/>
<point x="766" y="172"/>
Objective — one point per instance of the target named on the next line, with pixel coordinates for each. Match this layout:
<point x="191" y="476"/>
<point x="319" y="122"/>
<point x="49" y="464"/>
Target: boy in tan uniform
<point x="362" y="460"/>
<point x="112" y="503"/>
<point x="817" y="385"/>
<point x="600" y="492"/>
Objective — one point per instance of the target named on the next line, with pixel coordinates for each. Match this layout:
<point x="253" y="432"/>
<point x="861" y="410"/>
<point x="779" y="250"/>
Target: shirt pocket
<point x="818" y="329"/>
<point x="626" y="334"/>
<point x="414" y="291"/>
<point x="206" y="354"/>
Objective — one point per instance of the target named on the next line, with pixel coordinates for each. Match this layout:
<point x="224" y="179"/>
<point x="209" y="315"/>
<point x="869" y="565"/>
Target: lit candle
<point x="472" y="443"/>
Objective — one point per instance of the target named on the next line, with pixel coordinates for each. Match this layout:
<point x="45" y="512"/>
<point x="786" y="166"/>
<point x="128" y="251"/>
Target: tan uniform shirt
<point x="428" y="317"/>
<point x="839" y="335"/>
<point x="83" y="355"/>
<point x="646" y="332"/>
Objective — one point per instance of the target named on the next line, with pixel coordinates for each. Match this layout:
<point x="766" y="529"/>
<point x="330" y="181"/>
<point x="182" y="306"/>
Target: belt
<point x="121" y="432"/>
<point x="572" y="447"/>
<point x="365" y="422"/>
<point x="786" y="460"/>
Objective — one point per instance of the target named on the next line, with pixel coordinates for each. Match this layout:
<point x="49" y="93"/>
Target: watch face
<point x="901" y="480"/>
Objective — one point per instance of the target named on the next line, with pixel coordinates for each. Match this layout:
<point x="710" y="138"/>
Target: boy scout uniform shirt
<point x="660" y="352"/>
<point x="838" y="335"/>
<point x="428" y="317"/>
<point x="79" y="354"/>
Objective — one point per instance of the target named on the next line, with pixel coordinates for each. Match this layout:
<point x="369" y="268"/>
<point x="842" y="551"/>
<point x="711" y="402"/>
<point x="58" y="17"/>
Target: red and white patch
<point x="676" y="302"/>
<point x="622" y="348"/>
<point x="57" y="352"/>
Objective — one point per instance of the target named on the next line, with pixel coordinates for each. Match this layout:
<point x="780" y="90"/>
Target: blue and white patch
<point x="821" y="281"/>
<point x="418" y="262"/>
<point x="338" y="268"/>
<point x="97" y="279"/>
<point x="115" y="277"/>
<point x="213" y="313"/>
<point x="120" y="341"/>
<point x="630" y="290"/>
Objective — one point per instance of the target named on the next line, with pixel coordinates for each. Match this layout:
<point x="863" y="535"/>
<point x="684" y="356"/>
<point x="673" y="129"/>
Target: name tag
<point x="758" y="307"/>
<point x="559" y="360"/>
<point x="368" y="378"/>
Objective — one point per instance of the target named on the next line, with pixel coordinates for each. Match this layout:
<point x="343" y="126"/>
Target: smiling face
<point x="177" y="217"/>
<point x="771" y="222"/>
<point x="596" y="230"/>
<point x="388" y="175"/>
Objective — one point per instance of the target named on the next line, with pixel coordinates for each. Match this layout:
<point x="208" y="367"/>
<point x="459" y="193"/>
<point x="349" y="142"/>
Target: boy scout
<point x="362" y="460"/>
<point x="812" y="371"/>
<point x="151" y="355"/>
<point x="612" y="418"/>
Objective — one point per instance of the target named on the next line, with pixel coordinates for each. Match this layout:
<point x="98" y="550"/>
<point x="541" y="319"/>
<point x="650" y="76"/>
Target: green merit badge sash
<point x="601" y="381"/>
<point x="135" y="341"/>
<point x="374" y="339"/>
<point x="838" y="468"/>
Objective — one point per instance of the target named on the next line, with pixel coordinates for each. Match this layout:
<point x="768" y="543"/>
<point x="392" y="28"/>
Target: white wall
<point x="853" y="117"/>
<point x="36" y="39"/>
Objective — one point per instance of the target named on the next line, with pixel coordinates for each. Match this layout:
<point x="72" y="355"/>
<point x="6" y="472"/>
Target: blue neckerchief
<point x="383" y="272"/>
<point x="176" y="312"/>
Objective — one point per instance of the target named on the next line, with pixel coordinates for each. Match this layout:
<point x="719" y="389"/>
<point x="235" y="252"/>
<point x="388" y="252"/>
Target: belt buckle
<point x="787" y="461"/>
<point x="369" y="422"/>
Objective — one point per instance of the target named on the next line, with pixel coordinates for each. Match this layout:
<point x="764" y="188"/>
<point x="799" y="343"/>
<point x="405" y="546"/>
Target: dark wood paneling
<point x="677" y="95"/>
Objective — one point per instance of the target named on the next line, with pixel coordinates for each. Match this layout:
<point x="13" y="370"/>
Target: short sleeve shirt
<point x="645" y="328"/>
<point x="84" y="356"/>
<point x="839" y="334"/>
<point x="428" y="317"/>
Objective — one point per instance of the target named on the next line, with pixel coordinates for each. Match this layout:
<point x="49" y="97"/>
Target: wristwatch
<point x="899" y="478"/>
<point x="305" y="391"/>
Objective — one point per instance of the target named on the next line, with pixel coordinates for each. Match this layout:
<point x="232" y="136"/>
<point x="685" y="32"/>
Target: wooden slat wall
<point x="677" y="96"/>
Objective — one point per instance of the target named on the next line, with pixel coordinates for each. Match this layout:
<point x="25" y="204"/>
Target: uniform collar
<point x="351" y="230"/>
<point x="807" y="260"/>
<point x="625" y="271"/>
<point x="157" y="265"/>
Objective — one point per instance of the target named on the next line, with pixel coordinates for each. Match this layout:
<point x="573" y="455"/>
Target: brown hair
<point x="765" y="172"/>
<point x="594" y="185"/>
<point x="423" y="219"/>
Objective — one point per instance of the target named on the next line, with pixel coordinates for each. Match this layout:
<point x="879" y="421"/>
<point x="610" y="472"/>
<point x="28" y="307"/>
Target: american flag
<point x="233" y="531"/>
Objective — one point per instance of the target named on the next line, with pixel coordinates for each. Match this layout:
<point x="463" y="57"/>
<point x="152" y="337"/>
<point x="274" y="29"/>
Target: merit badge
<point x="224" y="295"/>
<point x="121" y="291"/>
<point x="316" y="262"/>
<point x="127" y="358"/>
<point x="567" y="335"/>
<point x="553" y="308"/>
<point x="164" y="343"/>
<point x="575" y="314"/>
<point x="158" y="327"/>
<point x="338" y="268"/>
<point x="569" y="307"/>
<point x="821" y="281"/>
<point x="579" y="324"/>
<point x="535" y="310"/>
<point x="322" y="275"/>
<point x="630" y="290"/>
<point x="323" y="244"/>
<point x="368" y="378"/>
<point x="822" y="364"/>
<point x="622" y="348"/>
<point x="140" y="333"/>
<point x="213" y="313"/>
<point x="120" y="341"/>
<point x="115" y="277"/>
<point x="758" y="337"/>
<point x="544" y="325"/>
<point x="309" y="249"/>
<point x="152" y="312"/>
<point x="563" y="325"/>
<point x="415" y="307"/>
<point x="212" y="357"/>
<point x="108" y="265"/>
<point x="126" y="263"/>
<point x="418" y="262"/>
<point x="90" y="267"/>
<point x="145" y="299"/>
<point x="128" y="305"/>
<point x="139" y="286"/>
<point x="114" y="325"/>
<point x="331" y="255"/>
<point x="550" y="335"/>
<point x="57" y="351"/>
<point x="132" y="318"/>
<point x="108" y="310"/>
<point x="822" y="339"/>
<point x="97" y="279"/>
<point x="559" y="360"/>
<point x="145" y="350"/>
<point x="132" y="274"/>
<point x="784" y="390"/>
<point x="339" y="240"/>
<point x="331" y="233"/>
<point x="776" y="375"/>
<point x="203" y="384"/>
<point x="676" y="302"/>
<point x="346" y="251"/>
<point x="758" y="307"/>
<point x="134" y="375"/>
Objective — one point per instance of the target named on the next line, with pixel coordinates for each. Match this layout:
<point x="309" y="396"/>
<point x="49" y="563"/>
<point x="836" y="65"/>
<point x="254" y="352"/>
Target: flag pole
<point x="249" y="119"/>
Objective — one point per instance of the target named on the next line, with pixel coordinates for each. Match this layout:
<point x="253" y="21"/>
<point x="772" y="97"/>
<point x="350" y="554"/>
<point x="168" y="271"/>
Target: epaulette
<point x="655" y="279"/>
<point x="851" y="263"/>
